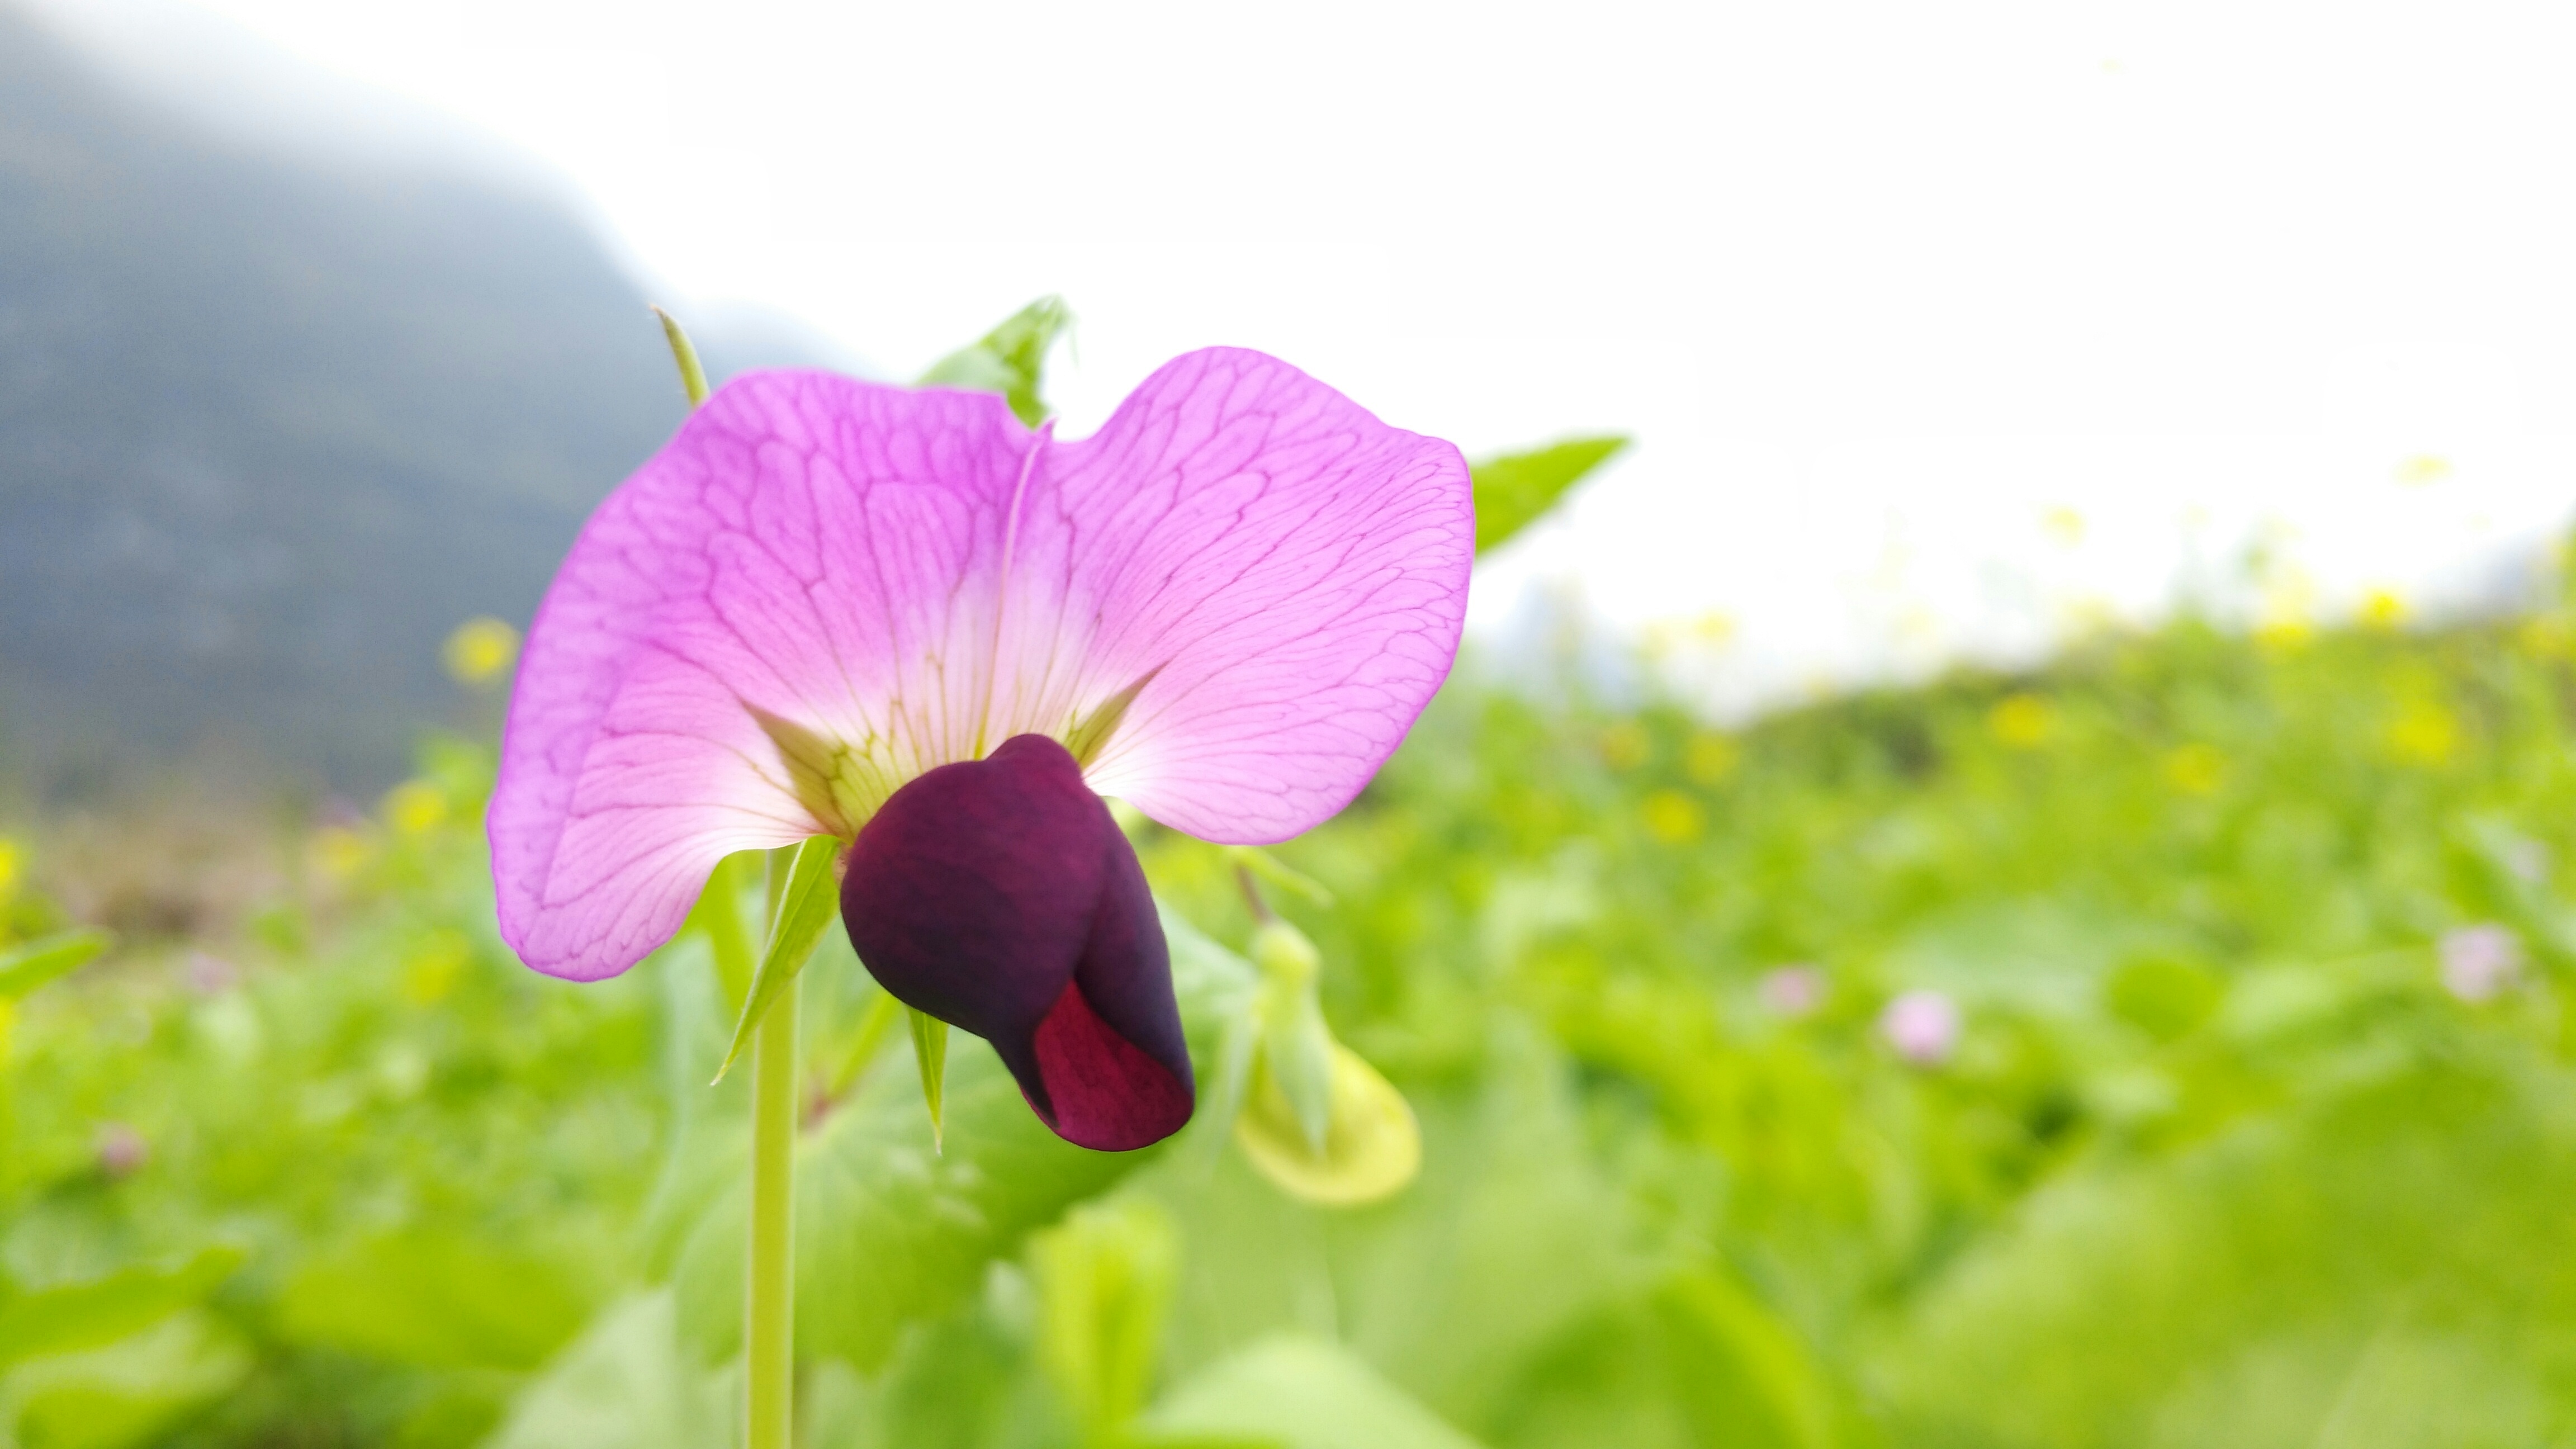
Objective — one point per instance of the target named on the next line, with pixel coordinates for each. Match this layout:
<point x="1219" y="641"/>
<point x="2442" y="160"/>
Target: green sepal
<point x="27" y="967"/>
<point x="1010" y="359"/>
<point x="804" y="909"/>
<point x="1094" y="729"/>
<point x="693" y="377"/>
<point x="930" y="1053"/>
<point x="831" y="779"/>
<point x="1514" y="489"/>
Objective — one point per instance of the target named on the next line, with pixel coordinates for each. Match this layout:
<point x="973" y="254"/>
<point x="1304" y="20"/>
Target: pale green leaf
<point x="24" y="968"/>
<point x="1514" y="489"/>
<point x="624" y="1385"/>
<point x="1010" y="359"/>
<point x="1105" y="1278"/>
<point x="1298" y="1393"/>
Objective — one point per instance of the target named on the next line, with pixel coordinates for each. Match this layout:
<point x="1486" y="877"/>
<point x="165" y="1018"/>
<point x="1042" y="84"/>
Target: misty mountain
<point x="272" y="423"/>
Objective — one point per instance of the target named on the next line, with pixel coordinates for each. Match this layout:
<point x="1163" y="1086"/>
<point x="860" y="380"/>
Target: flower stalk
<point x="770" y="1304"/>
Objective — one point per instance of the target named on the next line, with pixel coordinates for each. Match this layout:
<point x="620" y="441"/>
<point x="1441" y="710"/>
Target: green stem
<point x="770" y="1328"/>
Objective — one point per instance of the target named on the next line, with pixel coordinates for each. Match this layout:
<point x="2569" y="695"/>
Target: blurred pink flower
<point x="1922" y="1026"/>
<point x="1793" y="990"/>
<point x="2481" y="962"/>
<point x="208" y="974"/>
<point x="121" y="1151"/>
<point x="833" y="608"/>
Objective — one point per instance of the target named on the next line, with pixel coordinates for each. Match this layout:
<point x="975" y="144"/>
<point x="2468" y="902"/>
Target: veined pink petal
<point x="823" y="550"/>
<point x="1289" y="571"/>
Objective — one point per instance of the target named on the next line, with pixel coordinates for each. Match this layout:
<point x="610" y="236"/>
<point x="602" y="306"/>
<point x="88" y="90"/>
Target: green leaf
<point x="1740" y="1375"/>
<point x="74" y="1316"/>
<point x="1514" y="489"/>
<point x="128" y="1394"/>
<point x="432" y="1300"/>
<point x="806" y="908"/>
<point x="1297" y="1393"/>
<point x="1105" y="1281"/>
<point x="889" y="1233"/>
<point x="27" y="967"/>
<point x="1010" y="359"/>
<point x="930" y="1054"/>
<point x="623" y="1385"/>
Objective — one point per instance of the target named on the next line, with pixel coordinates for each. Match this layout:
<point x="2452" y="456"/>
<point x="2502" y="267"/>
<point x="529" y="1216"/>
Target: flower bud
<point x="1284" y="954"/>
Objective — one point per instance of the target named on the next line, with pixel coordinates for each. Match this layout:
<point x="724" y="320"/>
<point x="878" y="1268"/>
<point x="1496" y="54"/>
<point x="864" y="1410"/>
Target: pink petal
<point x="808" y="545"/>
<point x="1291" y="573"/>
<point x="914" y="577"/>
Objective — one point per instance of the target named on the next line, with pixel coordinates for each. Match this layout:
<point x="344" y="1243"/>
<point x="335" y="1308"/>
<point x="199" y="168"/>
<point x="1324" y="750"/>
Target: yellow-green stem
<point x="770" y="1328"/>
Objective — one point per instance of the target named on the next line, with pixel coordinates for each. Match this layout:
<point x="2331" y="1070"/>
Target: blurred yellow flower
<point x="1716" y="628"/>
<point x="431" y="972"/>
<point x="415" y="807"/>
<point x="2284" y="637"/>
<point x="10" y="856"/>
<point x="2022" y="721"/>
<point x="2424" y="468"/>
<point x="2286" y="619"/>
<point x="2425" y="733"/>
<point x="2196" y="769"/>
<point x="1626" y="745"/>
<point x="2383" y="609"/>
<point x="1711" y="757"/>
<point x="480" y="650"/>
<point x="1673" y="817"/>
<point x="2064" y="525"/>
<point x="339" y="852"/>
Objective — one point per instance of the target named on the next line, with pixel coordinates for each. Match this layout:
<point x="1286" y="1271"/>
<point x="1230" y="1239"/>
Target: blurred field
<point x="2258" y="1129"/>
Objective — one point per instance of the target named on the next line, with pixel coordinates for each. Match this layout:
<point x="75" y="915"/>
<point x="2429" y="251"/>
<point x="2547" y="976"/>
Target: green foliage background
<point x="2217" y="1158"/>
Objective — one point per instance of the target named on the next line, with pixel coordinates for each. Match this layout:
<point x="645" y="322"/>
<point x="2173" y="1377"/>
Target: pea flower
<point x="903" y="619"/>
<point x="1922" y="1027"/>
<point x="2481" y="962"/>
<point x="1793" y="991"/>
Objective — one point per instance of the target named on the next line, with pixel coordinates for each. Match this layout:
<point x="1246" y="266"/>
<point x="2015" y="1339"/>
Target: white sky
<point x="1875" y="287"/>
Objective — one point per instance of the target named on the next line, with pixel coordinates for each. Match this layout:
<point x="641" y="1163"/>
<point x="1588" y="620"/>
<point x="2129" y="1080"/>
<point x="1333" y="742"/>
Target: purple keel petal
<point x="1291" y="573"/>
<point x="999" y="895"/>
<point x="808" y="547"/>
<point x="1102" y="1090"/>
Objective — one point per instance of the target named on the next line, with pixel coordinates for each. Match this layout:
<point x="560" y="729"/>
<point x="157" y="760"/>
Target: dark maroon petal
<point x="999" y="896"/>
